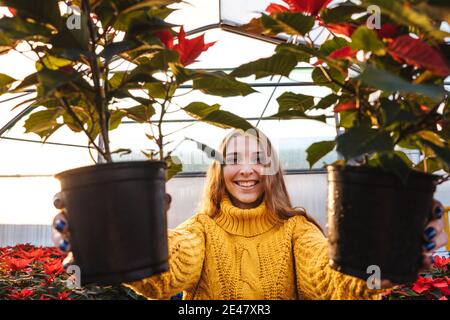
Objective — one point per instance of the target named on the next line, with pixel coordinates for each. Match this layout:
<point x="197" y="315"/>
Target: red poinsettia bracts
<point x="387" y="31"/>
<point x="345" y="29"/>
<point x="21" y="294"/>
<point x="166" y="37"/>
<point x="418" y="53"/>
<point x="343" y="53"/>
<point x="347" y="105"/>
<point x="441" y="262"/>
<point x="312" y="7"/>
<point x="190" y="49"/>
<point x="433" y="284"/>
<point x="53" y="268"/>
<point x="36" y="273"/>
<point x="14" y="264"/>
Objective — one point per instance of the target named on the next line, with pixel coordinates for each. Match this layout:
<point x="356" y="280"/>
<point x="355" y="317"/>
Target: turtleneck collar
<point x="245" y="222"/>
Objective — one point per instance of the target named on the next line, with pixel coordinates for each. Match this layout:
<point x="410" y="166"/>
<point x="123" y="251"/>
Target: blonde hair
<point x="276" y="197"/>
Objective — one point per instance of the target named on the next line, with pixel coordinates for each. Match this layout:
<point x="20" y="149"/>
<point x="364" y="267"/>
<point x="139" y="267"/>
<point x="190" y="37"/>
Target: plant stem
<point x="417" y="127"/>
<point x="72" y="114"/>
<point x="100" y="100"/>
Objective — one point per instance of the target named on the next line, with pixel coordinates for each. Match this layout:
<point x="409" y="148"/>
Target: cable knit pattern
<point x="250" y="254"/>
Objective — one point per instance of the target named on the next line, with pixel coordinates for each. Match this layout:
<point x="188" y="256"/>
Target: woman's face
<point x="242" y="171"/>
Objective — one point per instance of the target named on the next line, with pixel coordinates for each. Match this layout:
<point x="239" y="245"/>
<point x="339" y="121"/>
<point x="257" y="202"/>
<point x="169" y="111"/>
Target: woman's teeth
<point x="246" y="183"/>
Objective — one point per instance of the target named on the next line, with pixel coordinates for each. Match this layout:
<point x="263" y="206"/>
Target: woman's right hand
<point x="60" y="230"/>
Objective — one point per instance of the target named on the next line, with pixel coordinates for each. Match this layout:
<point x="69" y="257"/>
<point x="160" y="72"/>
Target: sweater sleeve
<point x="186" y="255"/>
<point x="315" y="278"/>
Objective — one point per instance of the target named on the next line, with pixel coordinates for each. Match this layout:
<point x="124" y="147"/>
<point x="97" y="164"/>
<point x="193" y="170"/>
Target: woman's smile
<point x="246" y="184"/>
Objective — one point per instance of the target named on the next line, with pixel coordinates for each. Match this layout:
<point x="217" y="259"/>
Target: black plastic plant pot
<point x="117" y="221"/>
<point x="375" y="219"/>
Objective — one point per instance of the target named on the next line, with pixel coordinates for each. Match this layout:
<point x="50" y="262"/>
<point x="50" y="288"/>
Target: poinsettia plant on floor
<point x="28" y="272"/>
<point x="434" y="284"/>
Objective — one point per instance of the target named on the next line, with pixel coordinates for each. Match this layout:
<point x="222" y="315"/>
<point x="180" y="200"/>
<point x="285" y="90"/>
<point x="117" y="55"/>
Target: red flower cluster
<point x="23" y="261"/>
<point x="36" y="273"/>
<point x="188" y="49"/>
<point x="402" y="47"/>
<point x="432" y="285"/>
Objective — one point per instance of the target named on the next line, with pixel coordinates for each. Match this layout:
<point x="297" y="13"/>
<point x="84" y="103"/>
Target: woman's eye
<point x="232" y="159"/>
<point x="259" y="159"/>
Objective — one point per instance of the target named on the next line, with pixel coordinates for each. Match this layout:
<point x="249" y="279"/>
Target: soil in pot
<point x="374" y="219"/>
<point x="117" y="221"/>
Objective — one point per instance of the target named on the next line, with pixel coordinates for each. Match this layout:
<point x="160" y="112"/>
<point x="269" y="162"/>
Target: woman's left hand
<point x="434" y="235"/>
<point x="434" y="238"/>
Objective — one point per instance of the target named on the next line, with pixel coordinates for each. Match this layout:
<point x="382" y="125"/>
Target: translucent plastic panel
<point x="237" y="12"/>
<point x="194" y="14"/>
<point x="290" y="138"/>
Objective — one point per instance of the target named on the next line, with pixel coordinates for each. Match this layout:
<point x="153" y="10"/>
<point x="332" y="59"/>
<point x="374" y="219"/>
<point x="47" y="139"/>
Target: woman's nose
<point x="247" y="169"/>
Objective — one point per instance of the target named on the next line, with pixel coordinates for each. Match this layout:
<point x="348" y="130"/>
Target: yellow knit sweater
<point x="250" y="254"/>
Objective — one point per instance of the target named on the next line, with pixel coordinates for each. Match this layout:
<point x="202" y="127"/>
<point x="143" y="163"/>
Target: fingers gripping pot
<point x="117" y="221"/>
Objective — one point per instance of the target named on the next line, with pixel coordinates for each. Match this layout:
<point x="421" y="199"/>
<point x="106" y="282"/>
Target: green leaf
<point x="334" y="44"/>
<point x="6" y="44"/>
<point x="394" y="114"/>
<point x="116" y="118"/>
<point x="52" y="79"/>
<point x="297" y="114"/>
<point x="200" y="109"/>
<point x="288" y="22"/>
<point x="226" y="120"/>
<point x="52" y="62"/>
<point x="220" y="84"/>
<point x="162" y="60"/>
<point x="19" y="29"/>
<point x="182" y="74"/>
<point x="40" y="122"/>
<point x="395" y="162"/>
<point x="358" y="141"/>
<point x="408" y="16"/>
<point x="141" y="113"/>
<point x="213" y="115"/>
<point x="294" y="101"/>
<point x="116" y="48"/>
<point x="366" y="39"/>
<point x="327" y="101"/>
<point x="300" y="49"/>
<point x="43" y="11"/>
<point x="174" y="166"/>
<point x="157" y="90"/>
<point x="321" y="78"/>
<point x="341" y="13"/>
<point x="442" y="153"/>
<point x="74" y="41"/>
<point x="318" y="150"/>
<point x="389" y="82"/>
<point x="278" y="64"/>
<point x="5" y="83"/>
<point x="348" y="118"/>
<point x="432" y="165"/>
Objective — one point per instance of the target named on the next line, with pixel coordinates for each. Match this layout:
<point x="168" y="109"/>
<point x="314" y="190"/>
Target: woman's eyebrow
<point x="231" y="154"/>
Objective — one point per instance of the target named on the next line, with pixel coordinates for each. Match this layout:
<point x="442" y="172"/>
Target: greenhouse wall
<point x="18" y="225"/>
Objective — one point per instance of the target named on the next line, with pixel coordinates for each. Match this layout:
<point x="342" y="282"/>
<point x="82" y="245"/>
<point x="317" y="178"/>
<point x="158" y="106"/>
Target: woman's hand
<point x="434" y="237"/>
<point x="60" y="231"/>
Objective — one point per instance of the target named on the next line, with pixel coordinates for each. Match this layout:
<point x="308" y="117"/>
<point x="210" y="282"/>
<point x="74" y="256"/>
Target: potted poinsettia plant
<point x="386" y="86"/>
<point x="115" y="209"/>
